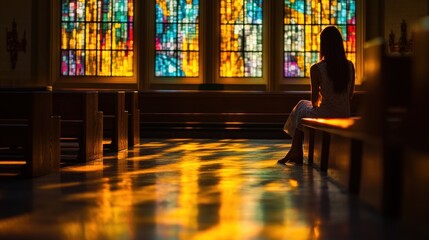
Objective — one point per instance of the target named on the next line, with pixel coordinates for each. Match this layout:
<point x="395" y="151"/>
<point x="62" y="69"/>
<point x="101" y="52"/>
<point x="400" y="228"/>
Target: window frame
<point x="209" y="43"/>
<point x="291" y="81"/>
<point x="127" y="82"/>
<point x="150" y="51"/>
<point x="265" y="51"/>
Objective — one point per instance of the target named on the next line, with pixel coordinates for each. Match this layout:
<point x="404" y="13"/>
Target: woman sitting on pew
<point x="332" y="86"/>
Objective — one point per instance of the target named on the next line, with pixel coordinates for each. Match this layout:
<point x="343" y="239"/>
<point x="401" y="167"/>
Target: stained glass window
<point x="177" y="38"/>
<point x="304" y="20"/>
<point x="241" y="38"/>
<point x="97" y="37"/>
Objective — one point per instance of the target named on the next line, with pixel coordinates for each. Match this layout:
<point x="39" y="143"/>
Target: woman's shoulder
<point x="315" y="67"/>
<point x="351" y="65"/>
<point x="318" y="67"/>
<point x="318" y="64"/>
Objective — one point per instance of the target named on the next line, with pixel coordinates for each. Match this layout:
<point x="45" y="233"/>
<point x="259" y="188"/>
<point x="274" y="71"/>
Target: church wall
<point x="30" y="65"/>
<point x="20" y="12"/>
<point x="34" y="65"/>
<point x="398" y="10"/>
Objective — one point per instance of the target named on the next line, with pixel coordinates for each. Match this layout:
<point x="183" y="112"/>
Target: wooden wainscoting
<point x="218" y="114"/>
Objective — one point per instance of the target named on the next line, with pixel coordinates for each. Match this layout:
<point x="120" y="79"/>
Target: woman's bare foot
<point x="292" y="158"/>
<point x="295" y="161"/>
<point x="295" y="154"/>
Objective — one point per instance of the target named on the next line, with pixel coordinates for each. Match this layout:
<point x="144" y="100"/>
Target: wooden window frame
<point x="59" y="81"/>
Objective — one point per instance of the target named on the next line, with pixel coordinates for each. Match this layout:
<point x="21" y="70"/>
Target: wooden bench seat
<point x="335" y="146"/>
<point x="28" y="128"/>
<point x="81" y="122"/>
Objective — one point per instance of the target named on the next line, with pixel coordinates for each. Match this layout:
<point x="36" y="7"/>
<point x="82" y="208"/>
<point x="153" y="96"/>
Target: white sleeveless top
<point x="334" y="104"/>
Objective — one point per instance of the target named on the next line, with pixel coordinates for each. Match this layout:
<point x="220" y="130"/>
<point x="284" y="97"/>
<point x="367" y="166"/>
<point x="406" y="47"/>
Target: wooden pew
<point x="415" y="171"/>
<point x="81" y="122"/>
<point x="27" y="122"/>
<point x="335" y="146"/>
<point x="366" y="156"/>
<point x="385" y="106"/>
<point x="132" y="106"/>
<point x="219" y="114"/>
<point x="115" y="119"/>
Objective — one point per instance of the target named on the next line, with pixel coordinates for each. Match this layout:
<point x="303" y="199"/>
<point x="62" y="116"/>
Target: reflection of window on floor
<point x="177" y="38"/>
<point x="97" y="37"/>
<point x="241" y="38"/>
<point x="304" y="20"/>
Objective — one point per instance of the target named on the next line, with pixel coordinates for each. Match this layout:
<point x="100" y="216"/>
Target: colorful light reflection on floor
<point x="186" y="189"/>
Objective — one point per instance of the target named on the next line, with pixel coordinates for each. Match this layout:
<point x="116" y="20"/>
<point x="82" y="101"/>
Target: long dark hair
<point x="332" y="52"/>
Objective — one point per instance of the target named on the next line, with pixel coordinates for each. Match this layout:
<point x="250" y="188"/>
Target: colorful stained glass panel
<point x="294" y="38"/>
<point x="91" y="60"/>
<point x="232" y="64"/>
<point x="294" y="64"/>
<point x="241" y="38"/>
<point x="97" y="37"/>
<point x="166" y="64"/>
<point x="190" y="63"/>
<point x="122" y="61"/>
<point x="177" y="38"/>
<point x="253" y="38"/>
<point x="303" y="22"/>
<point x="254" y="66"/>
<point x="294" y="12"/>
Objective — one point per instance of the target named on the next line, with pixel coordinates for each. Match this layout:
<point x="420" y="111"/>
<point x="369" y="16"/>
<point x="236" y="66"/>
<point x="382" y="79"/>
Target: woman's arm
<point x="315" y="76"/>
<point x="352" y="90"/>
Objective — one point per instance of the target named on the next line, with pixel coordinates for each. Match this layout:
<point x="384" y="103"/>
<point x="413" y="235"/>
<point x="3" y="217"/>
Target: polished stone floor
<point x="187" y="189"/>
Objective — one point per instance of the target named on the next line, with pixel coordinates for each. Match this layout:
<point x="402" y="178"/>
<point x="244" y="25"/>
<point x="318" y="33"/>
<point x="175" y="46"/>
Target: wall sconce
<point x="13" y="45"/>
<point x="403" y="45"/>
